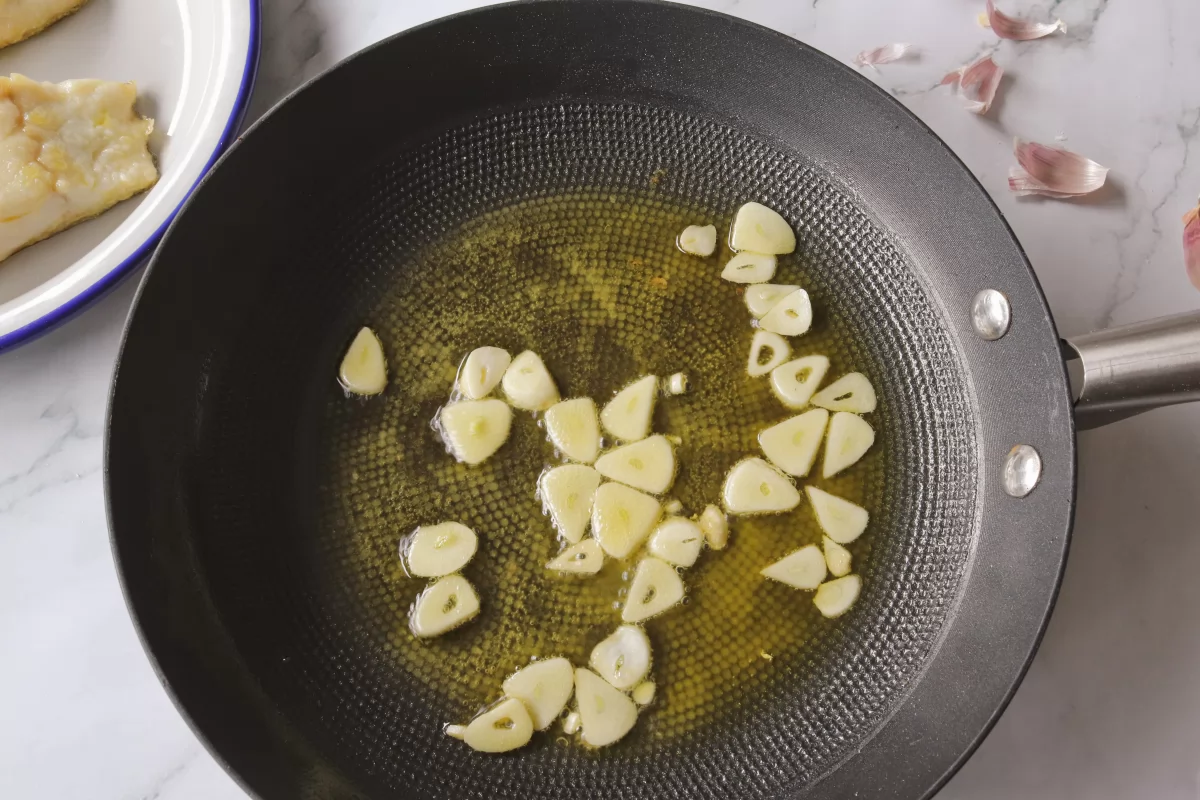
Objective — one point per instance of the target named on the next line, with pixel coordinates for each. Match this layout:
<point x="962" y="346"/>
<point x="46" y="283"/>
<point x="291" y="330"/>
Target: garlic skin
<point x="754" y="487"/>
<point x="803" y="569"/>
<point x="749" y="268"/>
<point x="834" y="598"/>
<point x="698" y="240"/>
<point x="883" y="55"/>
<point x="436" y="550"/>
<point x="505" y="727"/>
<point x="475" y="429"/>
<point x="656" y="587"/>
<point x="446" y="604"/>
<point x="1007" y="27"/>
<point x="482" y="371"/>
<point x="363" y="370"/>
<point x="766" y="341"/>
<point x="1053" y="171"/>
<point x="527" y="383"/>
<point x="627" y="416"/>
<point x="761" y="230"/>
<point x="544" y="687"/>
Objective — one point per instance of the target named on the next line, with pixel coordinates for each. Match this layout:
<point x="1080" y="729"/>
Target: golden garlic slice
<point x="482" y="371"/>
<point x="475" y="429"/>
<point x="648" y="464"/>
<point x="835" y="597"/>
<point x="763" y="343"/>
<point x="627" y="416"/>
<point x="363" y="369"/>
<point x="544" y="687"/>
<point x="568" y="493"/>
<point x="622" y="518"/>
<point x="754" y="487"/>
<point x="677" y="540"/>
<point x="853" y="393"/>
<point x="749" y="268"/>
<point x="795" y="382"/>
<point x="584" y="558"/>
<point x="803" y="569"/>
<point x="656" y="587"/>
<point x="443" y="606"/>
<point x="849" y="438"/>
<point x="436" y="550"/>
<point x="574" y="429"/>
<point x="505" y="727"/>
<point x="761" y="230"/>
<point x="527" y="383"/>
<point x="792" y="444"/>
<point x="606" y="714"/>
<point x="841" y="520"/>
<point x="762" y="297"/>
<point x="623" y="659"/>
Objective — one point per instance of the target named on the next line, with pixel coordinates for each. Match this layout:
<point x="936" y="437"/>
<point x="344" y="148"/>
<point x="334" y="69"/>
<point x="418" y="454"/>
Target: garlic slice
<point x="643" y="693"/>
<point x="573" y="428"/>
<point x="656" y="587"/>
<point x="795" y="382"/>
<point x="715" y="527"/>
<point x="436" y="550"/>
<point x="792" y="444"/>
<point x="567" y="494"/>
<point x="622" y="518"/>
<point x="842" y="521"/>
<point x="698" y="240"/>
<point x="572" y="723"/>
<point x="444" y="605"/>
<point x="455" y="731"/>
<point x="527" y="383"/>
<point x="606" y="714"/>
<point x="677" y="384"/>
<point x="481" y="371"/>
<point x="803" y="569"/>
<point x="791" y="316"/>
<point x="764" y="341"/>
<point x="544" y="687"/>
<point x="584" y="558"/>
<point x="363" y="369"/>
<point x="762" y="297"/>
<point x="677" y="540"/>
<point x="474" y="429"/>
<point x="505" y="727"/>
<point x="835" y="597"/>
<point x="749" y="268"/>
<point x="761" y="230"/>
<point x="852" y="392"/>
<point x="623" y="659"/>
<point x="1191" y="245"/>
<point x="837" y="558"/>
<point x="754" y="487"/>
<point x="648" y="465"/>
<point x="627" y="415"/>
<point x="850" y="436"/>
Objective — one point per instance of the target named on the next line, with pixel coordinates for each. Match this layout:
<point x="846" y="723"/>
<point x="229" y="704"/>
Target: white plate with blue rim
<point x="194" y="63"/>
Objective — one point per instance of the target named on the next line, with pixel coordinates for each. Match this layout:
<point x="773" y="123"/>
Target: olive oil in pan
<point x="594" y="283"/>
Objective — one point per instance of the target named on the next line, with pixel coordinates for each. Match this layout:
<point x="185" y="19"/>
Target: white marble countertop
<point x="1111" y="707"/>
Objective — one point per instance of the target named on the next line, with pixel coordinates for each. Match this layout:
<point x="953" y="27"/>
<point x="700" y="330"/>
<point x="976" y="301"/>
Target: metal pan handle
<point x="1124" y="371"/>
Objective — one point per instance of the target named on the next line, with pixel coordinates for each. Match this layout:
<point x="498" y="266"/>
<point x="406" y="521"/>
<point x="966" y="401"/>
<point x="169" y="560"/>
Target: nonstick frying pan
<point x="449" y="187"/>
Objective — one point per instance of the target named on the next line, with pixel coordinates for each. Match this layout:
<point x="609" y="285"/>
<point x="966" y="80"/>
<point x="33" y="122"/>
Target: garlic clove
<point x="842" y="521"/>
<point x="622" y="518"/>
<point x="544" y="687"/>
<point x="749" y="268"/>
<point x="605" y="713"/>
<point x="715" y="527"/>
<point x="754" y="487"/>
<point x="762" y="298"/>
<point x="850" y="436"/>
<point x="444" y="605"/>
<point x="363" y="369"/>
<point x="527" y="383"/>
<point x="505" y="727"/>
<point x="481" y="371"/>
<point x="835" y="597"/>
<point x="627" y="415"/>
<point x="837" y="558"/>
<point x="643" y="693"/>
<point x="765" y="342"/>
<point x="792" y="444"/>
<point x="677" y="384"/>
<point x="795" y="382"/>
<point x="676" y="540"/>
<point x="584" y="558"/>
<point x="474" y="429"/>
<point x="852" y="392"/>
<point x="791" y="316"/>
<point x="648" y="465"/>
<point x="572" y="723"/>
<point x="803" y="569"/>
<point x="656" y="586"/>
<point x="761" y="230"/>
<point x="436" y="550"/>
<point x="623" y="659"/>
<point x="574" y="429"/>
<point x="567" y="494"/>
<point x="698" y="240"/>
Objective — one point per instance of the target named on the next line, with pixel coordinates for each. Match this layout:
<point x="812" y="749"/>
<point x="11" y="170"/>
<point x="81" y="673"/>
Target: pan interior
<point x="551" y="228"/>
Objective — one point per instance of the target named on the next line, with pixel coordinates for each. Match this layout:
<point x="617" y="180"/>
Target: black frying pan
<point x="254" y="511"/>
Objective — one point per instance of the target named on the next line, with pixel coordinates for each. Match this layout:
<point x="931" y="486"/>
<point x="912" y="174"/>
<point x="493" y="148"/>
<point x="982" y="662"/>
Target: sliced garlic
<point x="677" y="383"/>
<point x="572" y="723"/>
<point x="643" y="693"/>
<point x="852" y="392"/>
<point x="791" y="316"/>
<point x="544" y="687"/>
<point x="837" y="558"/>
<point x="436" y="550"/>
<point x="567" y="494"/>
<point x="715" y="527"/>
<point x="792" y="444"/>
<point x="574" y="429"/>
<point x="444" y="605"/>
<point x="622" y="518"/>
<point x="622" y="659"/>
<point x="527" y="383"/>
<point x="363" y="369"/>
<point x="842" y="521"/>
<point x="656" y="586"/>
<point x="481" y="371"/>
<point x="585" y="558"/>
<point x="763" y="341"/>
<point x="762" y="298"/>
<point x="455" y="731"/>
<point x="749" y="268"/>
<point x="850" y="436"/>
<point x="605" y="713"/>
<point x="795" y="382"/>
<point x="803" y="569"/>
<point x="648" y="465"/>
<point x="677" y="540"/>
<point x="835" y="597"/>
<point x="627" y="415"/>
<point x="474" y="429"/>
<point x="754" y="487"/>
<point x="505" y="727"/>
<point x="672" y="506"/>
<point x="698" y="240"/>
<point x="760" y="230"/>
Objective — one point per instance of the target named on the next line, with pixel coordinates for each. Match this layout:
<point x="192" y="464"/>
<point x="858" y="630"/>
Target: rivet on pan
<point x="991" y="314"/>
<point x="1022" y="470"/>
